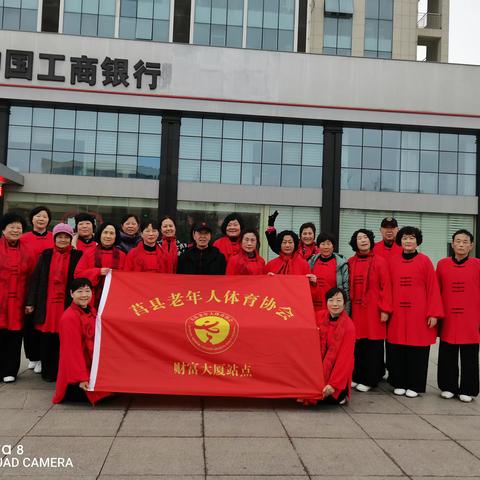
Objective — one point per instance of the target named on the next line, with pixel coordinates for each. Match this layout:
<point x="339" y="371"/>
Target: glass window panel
<point x="40" y="162"/>
<point x="84" y="164"/>
<point x="312" y="154"/>
<point x="148" y="167"/>
<point x="346" y="6"/>
<point x="144" y="29"/>
<point x="391" y="138"/>
<point x="190" y="147"/>
<point x="85" y="141"/>
<point x="386" y="9"/>
<point x="203" y="11"/>
<point x="231" y="173"/>
<point x="127" y="28"/>
<point x="385" y="36"/>
<point x="106" y="26"/>
<point x="234" y="36"/>
<point x="191" y="127"/>
<point x="270" y="14"/>
<point x="344" y="51"/>
<point x="107" y="121"/>
<point x="351" y="156"/>
<point x="429" y="161"/>
<point x="330" y="32"/>
<point x="372" y="138"/>
<point x="370" y="53"/>
<point x="410" y="160"/>
<point x="43" y="117"/>
<point x="332" y="6"/>
<point x="89" y="25"/>
<point x="19" y="137"/>
<point x="161" y="30"/>
<point x="105" y="165"/>
<point x="232" y="129"/>
<point x="312" y="134"/>
<point x="254" y="38"/>
<point x="218" y="35"/>
<point x="272" y="131"/>
<point x="271" y="175"/>
<point x="311" y="177"/>
<point x="285" y="40"/>
<point x="232" y="151"/>
<point x="11" y="18"/>
<point x="252" y="151"/>
<point x="63" y="140"/>
<point x="290" y="176"/>
<point x="409" y="182"/>
<point x="106" y="7"/>
<point x="210" y="172"/>
<point x="351" y="179"/>
<point x="128" y="8"/>
<point x="344" y="33"/>
<point x="73" y="6"/>
<point x="126" y="166"/>
<point x="62" y="163"/>
<point x="235" y="12"/>
<point x="219" y="12"/>
<point x="448" y="142"/>
<point x="286" y="14"/>
<point x="42" y="138"/>
<point x="251" y="173"/>
<point x="410" y="139"/>
<point x="292" y="153"/>
<point x="28" y="20"/>
<point x="390" y="159"/>
<point x="371" y="157"/>
<point x="30" y="4"/>
<point x="19" y="160"/>
<point x="466" y="185"/>
<point x="371" y="35"/>
<point x="149" y="145"/>
<point x="212" y="149"/>
<point x="86" y="120"/>
<point x="329" y="51"/>
<point x="212" y="128"/>
<point x="272" y="152"/>
<point x="21" y="116"/>
<point x="150" y="124"/>
<point x="448" y="162"/>
<point x="128" y="122"/>
<point x="161" y="9"/>
<point x="107" y="143"/>
<point x="371" y="180"/>
<point x="90" y="6"/>
<point x="428" y="183"/>
<point x="384" y="54"/>
<point x="429" y="141"/>
<point x="269" y="39"/>
<point x="64" y="118"/>
<point x="371" y="8"/>
<point x="352" y="136"/>
<point x="467" y="143"/>
<point x="145" y="8"/>
<point x="467" y="163"/>
<point x="189" y="170"/>
<point x="447" y="184"/>
<point x="252" y="130"/>
<point x="390" y="181"/>
<point x="127" y="143"/>
<point x="292" y="133"/>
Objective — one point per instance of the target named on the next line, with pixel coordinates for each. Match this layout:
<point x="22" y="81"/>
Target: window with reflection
<point x="81" y="142"/>
<point x="337" y="27"/>
<point x="378" y="28"/>
<point x="145" y="20"/>
<point x="94" y="18"/>
<point x="19" y="15"/>
<point x="251" y="153"/>
<point x="408" y="161"/>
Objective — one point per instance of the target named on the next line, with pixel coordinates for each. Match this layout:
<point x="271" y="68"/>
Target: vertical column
<point x="477" y="222"/>
<point x="332" y="161"/>
<point x="168" y="179"/>
<point x="4" y="119"/>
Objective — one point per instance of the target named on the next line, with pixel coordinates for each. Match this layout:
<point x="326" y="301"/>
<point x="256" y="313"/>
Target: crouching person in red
<point x="77" y="333"/>
<point x="337" y="345"/>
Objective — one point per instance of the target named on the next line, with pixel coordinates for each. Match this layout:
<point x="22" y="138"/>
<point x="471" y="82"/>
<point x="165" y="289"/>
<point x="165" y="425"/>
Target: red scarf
<point x="329" y="351"/>
<point x="306" y="251"/>
<point x="244" y="261"/>
<point x="115" y="257"/>
<point x="287" y="264"/>
<point x="170" y="248"/>
<point x="353" y="267"/>
<point x="59" y="269"/>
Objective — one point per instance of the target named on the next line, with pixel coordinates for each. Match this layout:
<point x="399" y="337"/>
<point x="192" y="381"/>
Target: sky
<point x="464" y="41"/>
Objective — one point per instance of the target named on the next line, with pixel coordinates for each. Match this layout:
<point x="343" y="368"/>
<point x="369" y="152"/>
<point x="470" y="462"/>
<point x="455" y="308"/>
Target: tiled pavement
<point x="377" y="436"/>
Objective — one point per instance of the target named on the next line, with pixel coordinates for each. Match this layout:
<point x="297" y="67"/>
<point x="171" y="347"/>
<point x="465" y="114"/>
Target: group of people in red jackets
<point x="385" y="301"/>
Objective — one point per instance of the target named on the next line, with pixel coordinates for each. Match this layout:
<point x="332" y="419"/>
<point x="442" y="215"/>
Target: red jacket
<point x="77" y="332"/>
<point x="326" y="273"/>
<point x="242" y="264"/>
<point x="370" y="294"/>
<point x="460" y="290"/>
<point x="16" y="265"/>
<point x="84" y="247"/>
<point x="141" y="260"/>
<point x="288" y="265"/>
<point x="387" y="252"/>
<point x="227" y="247"/>
<point x="38" y="243"/>
<point x="416" y="296"/>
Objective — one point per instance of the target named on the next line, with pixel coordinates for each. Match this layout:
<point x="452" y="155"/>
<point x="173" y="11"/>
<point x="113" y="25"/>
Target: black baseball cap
<point x="201" y="227"/>
<point x="389" y="222"/>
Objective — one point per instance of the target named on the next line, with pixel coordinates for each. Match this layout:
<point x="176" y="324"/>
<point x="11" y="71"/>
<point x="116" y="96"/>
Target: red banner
<point x="252" y="336"/>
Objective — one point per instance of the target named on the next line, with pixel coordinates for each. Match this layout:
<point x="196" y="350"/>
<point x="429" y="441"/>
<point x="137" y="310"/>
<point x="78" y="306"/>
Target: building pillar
<point x="332" y="162"/>
<point x="4" y="121"/>
<point x="168" y="178"/>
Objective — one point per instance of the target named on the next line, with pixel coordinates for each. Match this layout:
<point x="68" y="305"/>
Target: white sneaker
<point x="343" y="402"/>
<point x="9" y="379"/>
<point x="399" y="391"/>
<point x="353" y="384"/>
<point x="363" y="388"/>
<point x="31" y="365"/>
<point x="38" y="367"/>
<point x="447" y="395"/>
<point x="411" y="393"/>
<point x="463" y="398"/>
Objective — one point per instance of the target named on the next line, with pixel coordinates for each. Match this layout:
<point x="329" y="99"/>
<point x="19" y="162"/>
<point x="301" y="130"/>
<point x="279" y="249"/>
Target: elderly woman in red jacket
<point x="247" y="261"/>
<point x="229" y="243"/>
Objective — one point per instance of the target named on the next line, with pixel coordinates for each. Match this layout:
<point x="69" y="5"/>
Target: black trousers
<point x="31" y="340"/>
<point x="10" y="352"/>
<point x="369" y="361"/>
<point x="49" y="355"/>
<point x="407" y="366"/>
<point x="448" y="371"/>
<point x="75" y="394"/>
